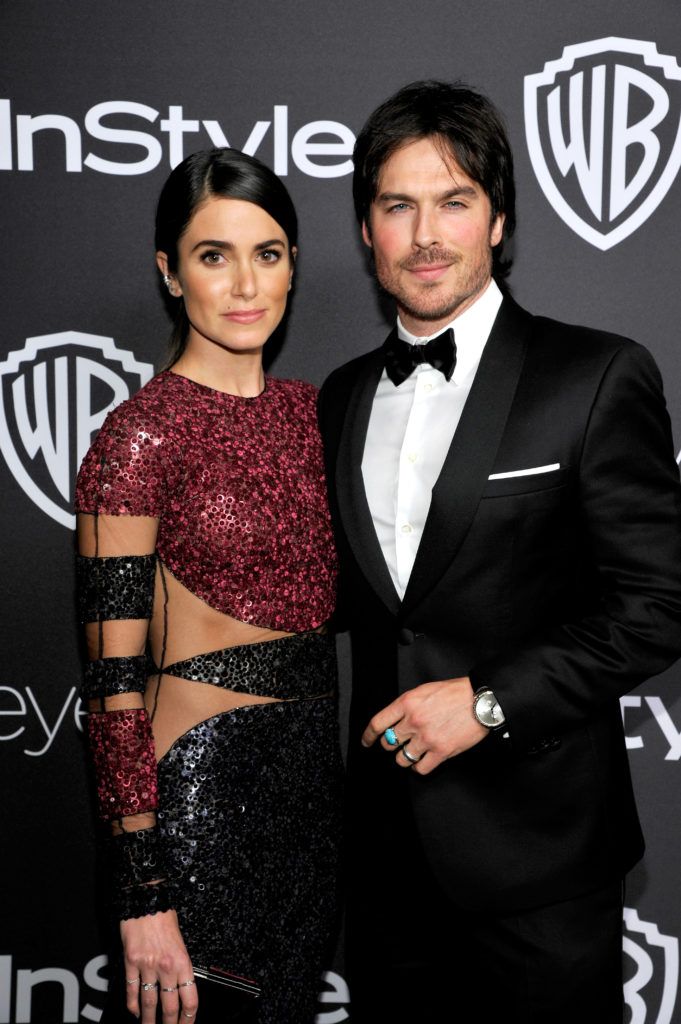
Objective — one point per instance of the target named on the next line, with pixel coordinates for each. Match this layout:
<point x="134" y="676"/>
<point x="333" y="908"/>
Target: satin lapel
<point x="472" y="452"/>
<point x="351" y="495"/>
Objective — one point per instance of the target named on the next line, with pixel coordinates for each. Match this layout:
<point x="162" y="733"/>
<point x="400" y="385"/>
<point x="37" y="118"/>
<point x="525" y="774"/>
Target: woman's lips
<point x="244" y="316"/>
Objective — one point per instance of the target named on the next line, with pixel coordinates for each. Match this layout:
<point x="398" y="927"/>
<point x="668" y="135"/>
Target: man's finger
<point x="408" y="756"/>
<point x="394" y="737"/>
<point x="388" y="718"/>
<point x="427" y="763"/>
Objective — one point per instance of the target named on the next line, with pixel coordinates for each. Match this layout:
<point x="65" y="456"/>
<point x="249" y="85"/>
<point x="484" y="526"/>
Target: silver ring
<point x="173" y="989"/>
<point x="186" y="984"/>
<point x="148" y="985"/>
<point x="132" y="981"/>
<point x="410" y="757"/>
<point x="187" y="1015"/>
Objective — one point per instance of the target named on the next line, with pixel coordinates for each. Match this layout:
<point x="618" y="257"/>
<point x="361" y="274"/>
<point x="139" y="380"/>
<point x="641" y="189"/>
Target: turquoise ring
<point x="390" y="737"/>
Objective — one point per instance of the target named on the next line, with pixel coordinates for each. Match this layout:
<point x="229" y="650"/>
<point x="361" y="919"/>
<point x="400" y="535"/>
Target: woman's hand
<point x="155" y="955"/>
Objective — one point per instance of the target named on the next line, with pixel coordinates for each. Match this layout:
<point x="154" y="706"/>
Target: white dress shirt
<point x="410" y="430"/>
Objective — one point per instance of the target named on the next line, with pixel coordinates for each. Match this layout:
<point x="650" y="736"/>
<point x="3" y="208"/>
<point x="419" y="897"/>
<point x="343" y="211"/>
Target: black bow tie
<point x="401" y="358"/>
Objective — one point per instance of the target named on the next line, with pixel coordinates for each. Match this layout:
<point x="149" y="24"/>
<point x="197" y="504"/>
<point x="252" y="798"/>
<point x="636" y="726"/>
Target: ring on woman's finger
<point x="148" y="985"/>
<point x="173" y="989"/>
<point x="188" y="1015"/>
<point x="390" y="737"/>
<point x="132" y="981"/>
<point x="186" y="984"/>
<point x="410" y="757"/>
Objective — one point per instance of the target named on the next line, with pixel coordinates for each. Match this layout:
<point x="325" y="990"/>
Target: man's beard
<point x="425" y="302"/>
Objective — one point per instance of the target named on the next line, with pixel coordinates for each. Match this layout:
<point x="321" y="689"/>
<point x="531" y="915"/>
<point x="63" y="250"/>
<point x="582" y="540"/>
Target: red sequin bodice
<point x="238" y="487"/>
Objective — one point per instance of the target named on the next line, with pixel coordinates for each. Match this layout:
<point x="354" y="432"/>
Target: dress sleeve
<point x="120" y="496"/>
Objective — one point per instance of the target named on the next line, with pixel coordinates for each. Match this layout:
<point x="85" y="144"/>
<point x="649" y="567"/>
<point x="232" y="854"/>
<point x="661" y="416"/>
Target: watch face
<point x="487" y="711"/>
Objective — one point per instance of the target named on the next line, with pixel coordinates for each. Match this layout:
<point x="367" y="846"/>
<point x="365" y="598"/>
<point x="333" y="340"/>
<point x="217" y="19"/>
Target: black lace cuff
<point x="142" y="900"/>
<point x="109" y="676"/>
<point x="119" y="587"/>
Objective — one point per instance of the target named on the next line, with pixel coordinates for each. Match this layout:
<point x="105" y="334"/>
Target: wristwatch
<point x="487" y="710"/>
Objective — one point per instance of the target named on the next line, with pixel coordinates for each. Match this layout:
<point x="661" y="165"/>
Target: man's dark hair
<point x="468" y="127"/>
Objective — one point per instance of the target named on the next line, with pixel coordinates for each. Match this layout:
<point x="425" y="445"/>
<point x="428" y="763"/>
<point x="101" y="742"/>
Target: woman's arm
<point x="116" y="577"/>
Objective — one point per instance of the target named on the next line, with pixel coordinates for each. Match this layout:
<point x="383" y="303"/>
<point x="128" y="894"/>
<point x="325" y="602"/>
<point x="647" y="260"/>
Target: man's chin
<point x="427" y="308"/>
<point x="428" y="314"/>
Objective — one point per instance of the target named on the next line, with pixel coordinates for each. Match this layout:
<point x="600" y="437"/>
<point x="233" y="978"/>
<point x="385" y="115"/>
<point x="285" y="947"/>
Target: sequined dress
<point x="242" y="811"/>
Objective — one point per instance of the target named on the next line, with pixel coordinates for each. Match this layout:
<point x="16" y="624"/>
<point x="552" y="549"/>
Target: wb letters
<point x="603" y="126"/>
<point x="54" y="394"/>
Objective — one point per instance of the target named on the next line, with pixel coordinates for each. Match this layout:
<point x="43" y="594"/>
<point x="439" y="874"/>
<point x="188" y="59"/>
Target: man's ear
<point x="497" y="229"/>
<point x="366" y="234"/>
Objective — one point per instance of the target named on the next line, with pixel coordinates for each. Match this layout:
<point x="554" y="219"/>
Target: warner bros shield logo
<point x="54" y="394"/>
<point x="650" y="988"/>
<point x="603" y="126"/>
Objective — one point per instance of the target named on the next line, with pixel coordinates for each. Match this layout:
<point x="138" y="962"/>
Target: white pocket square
<point x="526" y="472"/>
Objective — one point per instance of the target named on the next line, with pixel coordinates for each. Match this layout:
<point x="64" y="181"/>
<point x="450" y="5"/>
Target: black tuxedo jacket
<point x="560" y="590"/>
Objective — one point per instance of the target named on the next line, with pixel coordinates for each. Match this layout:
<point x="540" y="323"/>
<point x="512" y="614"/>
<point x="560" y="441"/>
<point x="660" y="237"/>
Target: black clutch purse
<point x="224" y="996"/>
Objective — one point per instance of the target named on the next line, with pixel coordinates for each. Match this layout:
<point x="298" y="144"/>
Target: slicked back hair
<point x="225" y="173"/>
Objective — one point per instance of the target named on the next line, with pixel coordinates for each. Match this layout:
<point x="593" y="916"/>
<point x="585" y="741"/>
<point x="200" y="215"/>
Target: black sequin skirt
<point x="250" y="809"/>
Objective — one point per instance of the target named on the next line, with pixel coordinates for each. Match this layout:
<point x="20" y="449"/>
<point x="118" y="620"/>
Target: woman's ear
<point x="169" y="280"/>
<point x="294" y="254"/>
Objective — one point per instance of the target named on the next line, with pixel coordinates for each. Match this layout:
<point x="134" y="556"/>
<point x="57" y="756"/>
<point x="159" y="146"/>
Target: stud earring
<point x="168" y="282"/>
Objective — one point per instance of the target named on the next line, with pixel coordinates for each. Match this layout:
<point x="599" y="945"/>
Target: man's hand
<point x="434" y="722"/>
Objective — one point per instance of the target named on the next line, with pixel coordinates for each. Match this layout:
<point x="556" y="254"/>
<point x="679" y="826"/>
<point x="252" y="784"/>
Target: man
<point x="508" y="522"/>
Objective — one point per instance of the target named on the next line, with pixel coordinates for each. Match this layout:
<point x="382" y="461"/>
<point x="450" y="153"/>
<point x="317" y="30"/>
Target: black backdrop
<point x="597" y="243"/>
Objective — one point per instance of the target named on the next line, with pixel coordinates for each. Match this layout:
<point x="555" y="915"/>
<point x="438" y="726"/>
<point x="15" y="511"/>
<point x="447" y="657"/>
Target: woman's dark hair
<point x="224" y="173"/>
<point x="464" y="123"/>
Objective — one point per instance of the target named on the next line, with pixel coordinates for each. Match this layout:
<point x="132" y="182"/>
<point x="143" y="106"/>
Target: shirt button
<point x="412" y="456"/>
<point x="406" y="528"/>
<point x="427" y="387"/>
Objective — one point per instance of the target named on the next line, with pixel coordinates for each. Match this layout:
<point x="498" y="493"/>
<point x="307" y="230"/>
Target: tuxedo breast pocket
<point x="527" y="480"/>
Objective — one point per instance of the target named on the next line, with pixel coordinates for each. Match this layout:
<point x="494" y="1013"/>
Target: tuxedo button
<point x="406" y="637"/>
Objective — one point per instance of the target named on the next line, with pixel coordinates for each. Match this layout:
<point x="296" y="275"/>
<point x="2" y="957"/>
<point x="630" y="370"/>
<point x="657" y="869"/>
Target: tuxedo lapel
<point x="352" y="500"/>
<point x="472" y="452"/>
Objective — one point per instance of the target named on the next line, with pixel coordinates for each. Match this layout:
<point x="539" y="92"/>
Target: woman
<point x="205" y="543"/>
